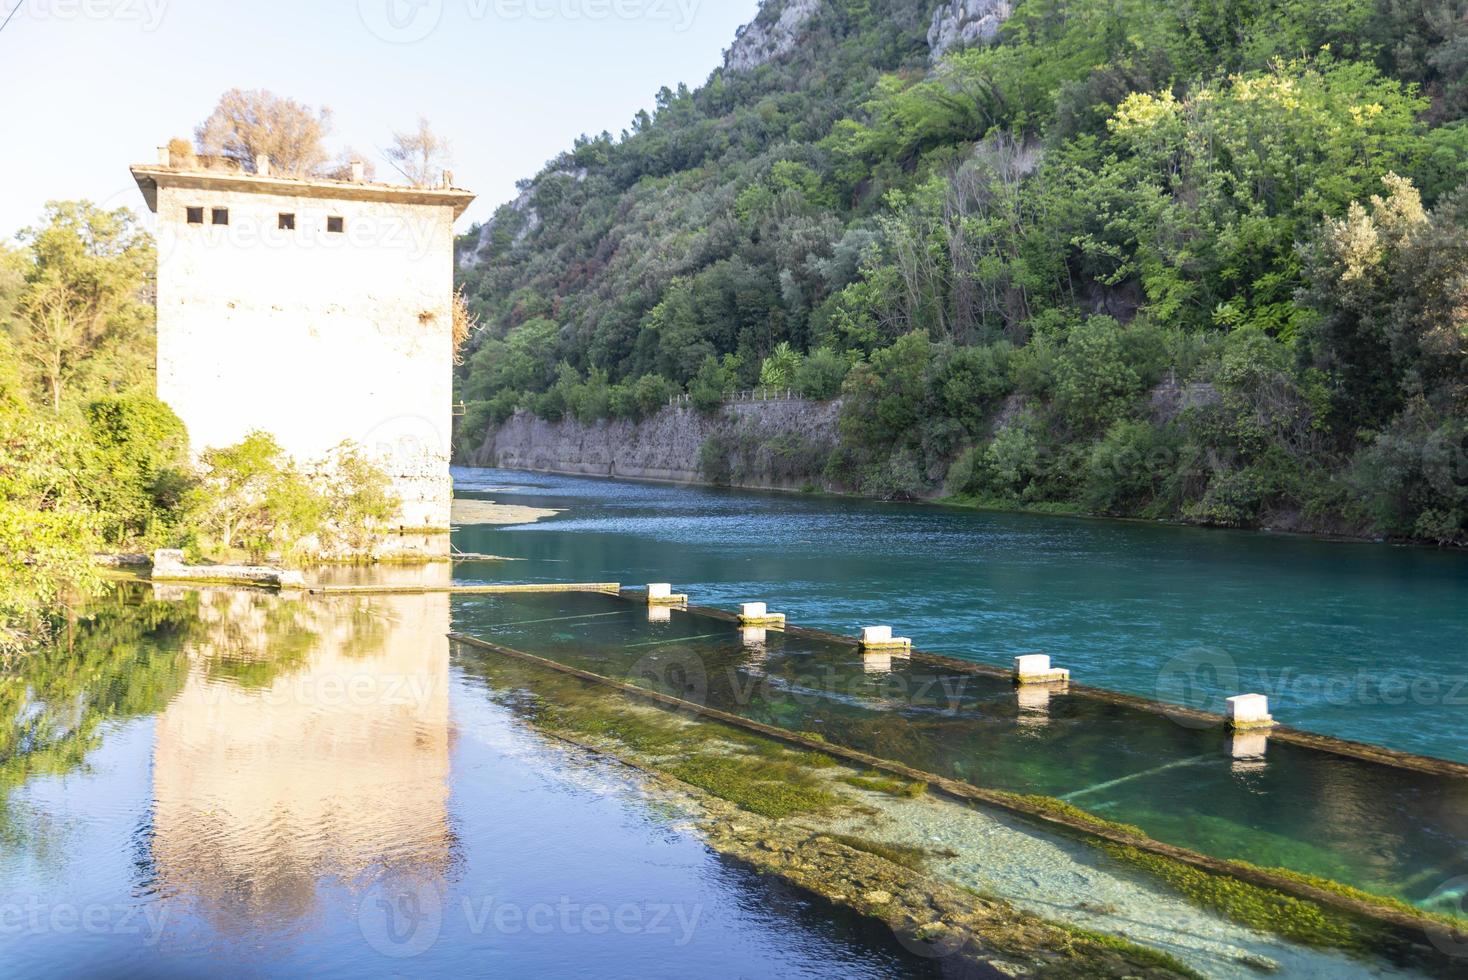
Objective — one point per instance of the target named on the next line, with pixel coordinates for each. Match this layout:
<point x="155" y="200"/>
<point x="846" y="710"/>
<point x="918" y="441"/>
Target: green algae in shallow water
<point x="1366" y="898"/>
<point x="1063" y="809"/>
<point x="906" y="855"/>
<point x="1142" y="954"/>
<point x="756" y="773"/>
<point x="877" y="783"/>
<point x="752" y="785"/>
<point x="1259" y="908"/>
<point x="641" y="731"/>
<point x="811" y="760"/>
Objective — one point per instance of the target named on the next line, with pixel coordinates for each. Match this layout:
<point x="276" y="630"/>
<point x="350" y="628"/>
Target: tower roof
<point x="152" y="176"/>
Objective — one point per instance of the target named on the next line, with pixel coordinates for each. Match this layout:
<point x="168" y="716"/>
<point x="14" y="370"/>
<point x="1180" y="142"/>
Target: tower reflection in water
<point x="308" y="749"/>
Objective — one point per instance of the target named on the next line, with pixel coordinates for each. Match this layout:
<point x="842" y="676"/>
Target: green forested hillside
<point x="1203" y="259"/>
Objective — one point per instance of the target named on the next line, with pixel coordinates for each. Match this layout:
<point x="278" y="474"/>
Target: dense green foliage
<point x="76" y="304"/>
<point x="90" y="461"/>
<point x="47" y="530"/>
<point x="253" y="497"/>
<point x="1198" y="260"/>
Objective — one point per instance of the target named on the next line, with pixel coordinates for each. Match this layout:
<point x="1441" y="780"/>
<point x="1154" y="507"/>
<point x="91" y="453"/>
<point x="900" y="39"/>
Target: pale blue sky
<point x="94" y="85"/>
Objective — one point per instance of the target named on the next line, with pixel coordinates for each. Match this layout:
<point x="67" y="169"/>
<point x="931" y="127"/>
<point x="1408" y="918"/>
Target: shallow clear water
<point x="232" y="784"/>
<point x="1391" y="830"/>
<point x="1361" y="641"/>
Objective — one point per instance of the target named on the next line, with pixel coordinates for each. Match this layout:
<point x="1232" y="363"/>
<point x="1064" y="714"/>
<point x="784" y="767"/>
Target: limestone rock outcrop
<point x="766" y="38"/>
<point x="959" y="23"/>
<point x="778" y="445"/>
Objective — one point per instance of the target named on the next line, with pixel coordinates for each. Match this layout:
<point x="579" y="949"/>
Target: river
<point x="215" y="781"/>
<point x="1361" y="641"/>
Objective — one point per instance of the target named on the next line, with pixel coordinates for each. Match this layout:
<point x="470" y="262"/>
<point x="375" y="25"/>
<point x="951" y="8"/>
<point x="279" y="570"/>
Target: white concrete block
<point x="881" y="638"/>
<point x="1033" y="665"/>
<point x="662" y="594"/>
<point x="659" y="614"/>
<point x="1036" y="668"/>
<point x="1249" y="711"/>
<point x="758" y="614"/>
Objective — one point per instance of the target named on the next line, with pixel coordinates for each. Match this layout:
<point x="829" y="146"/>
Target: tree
<point x="359" y="497"/>
<point x="715" y="381"/>
<point x="247" y="124"/>
<point x="465" y="324"/>
<point x="141" y="449"/>
<point x="253" y="497"/>
<point x="1350" y="272"/>
<point x="821" y="374"/>
<point x="13" y="265"/>
<point x="47" y="532"/>
<point x="81" y="316"/>
<point x="780" y="368"/>
<point x="1095" y="380"/>
<point x="421" y="155"/>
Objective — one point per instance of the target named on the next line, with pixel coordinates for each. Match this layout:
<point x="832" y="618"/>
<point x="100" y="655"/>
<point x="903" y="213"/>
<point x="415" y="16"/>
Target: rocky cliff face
<point x="769" y="36"/>
<point x="779" y="445"/>
<point x="959" y="23"/>
<point x="523" y="206"/>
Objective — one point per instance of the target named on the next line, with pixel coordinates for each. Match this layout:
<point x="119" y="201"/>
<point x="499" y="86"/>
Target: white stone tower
<point x="316" y="310"/>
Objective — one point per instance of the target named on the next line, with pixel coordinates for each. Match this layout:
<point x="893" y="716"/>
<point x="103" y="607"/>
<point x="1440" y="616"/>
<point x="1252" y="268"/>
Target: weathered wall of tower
<point x="313" y="336"/>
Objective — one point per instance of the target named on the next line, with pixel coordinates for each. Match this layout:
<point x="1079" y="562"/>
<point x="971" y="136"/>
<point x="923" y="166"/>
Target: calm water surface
<point x="235" y="785"/>
<point x="1361" y="641"/>
<point x="229" y="783"/>
<point x="1390" y="830"/>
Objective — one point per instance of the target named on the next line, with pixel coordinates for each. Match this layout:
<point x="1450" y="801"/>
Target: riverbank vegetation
<point x="91" y="462"/>
<point x="1199" y="262"/>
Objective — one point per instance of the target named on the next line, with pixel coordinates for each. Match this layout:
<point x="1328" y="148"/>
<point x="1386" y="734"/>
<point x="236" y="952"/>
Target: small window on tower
<point x="336" y="225"/>
<point x="221" y="216"/>
<point x="287" y="221"/>
<point x="196" y="216"/>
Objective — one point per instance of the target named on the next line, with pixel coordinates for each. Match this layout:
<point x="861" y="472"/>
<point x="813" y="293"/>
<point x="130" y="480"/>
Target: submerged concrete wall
<point x="781" y="445"/>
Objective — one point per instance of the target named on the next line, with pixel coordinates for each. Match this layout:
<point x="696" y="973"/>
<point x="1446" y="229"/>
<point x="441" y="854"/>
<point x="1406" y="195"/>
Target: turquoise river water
<point x="1357" y="640"/>
<point x="1391" y="830"/>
